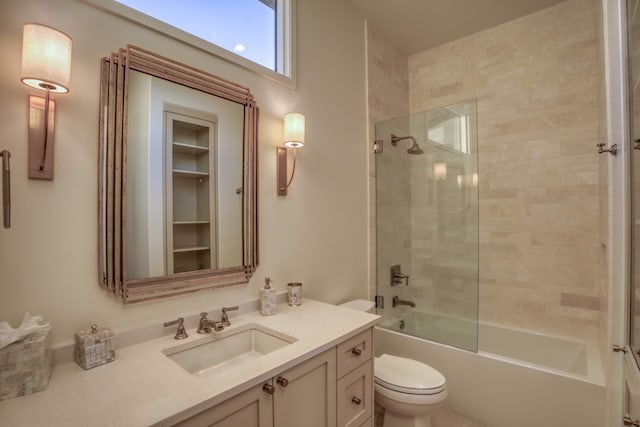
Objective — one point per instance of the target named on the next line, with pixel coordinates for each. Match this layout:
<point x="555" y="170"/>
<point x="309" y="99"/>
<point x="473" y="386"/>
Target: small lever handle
<point x="225" y="317"/>
<point x="181" y="332"/>
<point x="397" y="276"/>
<point x="179" y="320"/>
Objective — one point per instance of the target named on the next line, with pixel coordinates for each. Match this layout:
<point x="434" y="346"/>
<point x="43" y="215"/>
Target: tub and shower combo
<point x="427" y="286"/>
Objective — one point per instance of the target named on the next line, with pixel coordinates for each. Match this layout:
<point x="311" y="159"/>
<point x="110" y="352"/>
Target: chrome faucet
<point x="205" y="325"/>
<point x="396" y="301"/>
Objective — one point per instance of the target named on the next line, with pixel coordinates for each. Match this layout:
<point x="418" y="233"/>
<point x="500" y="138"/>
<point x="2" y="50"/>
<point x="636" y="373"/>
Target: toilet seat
<point x="409" y="399"/>
<point x="407" y="376"/>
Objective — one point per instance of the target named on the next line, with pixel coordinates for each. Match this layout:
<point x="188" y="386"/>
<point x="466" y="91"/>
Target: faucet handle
<point x="181" y="332"/>
<point x="397" y="276"/>
<point x="225" y="317"/>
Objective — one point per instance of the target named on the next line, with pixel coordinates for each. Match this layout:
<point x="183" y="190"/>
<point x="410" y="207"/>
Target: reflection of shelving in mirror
<point x="191" y="189"/>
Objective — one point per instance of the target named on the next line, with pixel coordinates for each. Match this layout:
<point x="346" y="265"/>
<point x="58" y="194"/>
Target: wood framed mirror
<point x="177" y="178"/>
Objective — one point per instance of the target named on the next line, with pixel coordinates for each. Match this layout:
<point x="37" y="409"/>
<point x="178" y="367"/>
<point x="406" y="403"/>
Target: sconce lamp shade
<point x="46" y="58"/>
<point x="294" y="130"/>
<point x="440" y="171"/>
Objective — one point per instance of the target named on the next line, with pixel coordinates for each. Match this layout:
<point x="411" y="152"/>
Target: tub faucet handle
<point x="397" y="276"/>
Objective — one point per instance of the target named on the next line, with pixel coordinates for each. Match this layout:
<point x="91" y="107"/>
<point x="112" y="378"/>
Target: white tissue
<point x="29" y="325"/>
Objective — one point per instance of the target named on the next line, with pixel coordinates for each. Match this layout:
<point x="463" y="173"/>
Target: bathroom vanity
<point x="309" y="365"/>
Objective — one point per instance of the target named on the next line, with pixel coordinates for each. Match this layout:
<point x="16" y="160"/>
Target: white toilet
<point x="408" y="390"/>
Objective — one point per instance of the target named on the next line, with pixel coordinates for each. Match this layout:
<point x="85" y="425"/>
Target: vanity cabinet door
<point x="305" y="395"/>
<point x="252" y="408"/>
<point x="355" y="396"/>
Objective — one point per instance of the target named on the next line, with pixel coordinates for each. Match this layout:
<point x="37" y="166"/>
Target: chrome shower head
<point x="414" y="149"/>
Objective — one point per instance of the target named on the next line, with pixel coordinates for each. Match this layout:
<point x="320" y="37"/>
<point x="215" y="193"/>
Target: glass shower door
<point x="427" y="224"/>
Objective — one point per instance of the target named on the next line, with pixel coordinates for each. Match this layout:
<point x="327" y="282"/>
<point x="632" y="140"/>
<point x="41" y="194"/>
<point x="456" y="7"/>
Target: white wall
<point x="140" y="237"/>
<point x="316" y="235"/>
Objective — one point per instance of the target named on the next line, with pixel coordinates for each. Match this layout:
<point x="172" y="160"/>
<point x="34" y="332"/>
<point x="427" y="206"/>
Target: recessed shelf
<point x="191" y="222"/>
<point x="190" y="174"/>
<point x="181" y="147"/>
<point x="191" y="249"/>
<point x="190" y="150"/>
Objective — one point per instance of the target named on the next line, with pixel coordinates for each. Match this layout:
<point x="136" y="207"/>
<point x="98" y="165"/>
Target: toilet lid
<point x="407" y="375"/>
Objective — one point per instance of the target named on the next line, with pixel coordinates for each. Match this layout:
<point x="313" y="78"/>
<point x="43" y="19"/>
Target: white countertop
<point x="144" y="387"/>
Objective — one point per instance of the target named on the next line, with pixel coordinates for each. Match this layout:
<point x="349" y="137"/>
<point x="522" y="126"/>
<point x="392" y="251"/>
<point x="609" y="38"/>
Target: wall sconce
<point x="294" y="124"/>
<point x="46" y="65"/>
<point x="439" y="171"/>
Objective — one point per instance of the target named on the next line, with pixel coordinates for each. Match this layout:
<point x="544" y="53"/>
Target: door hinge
<point x="613" y="150"/>
<point x="379" y="301"/>
<point x="378" y="146"/>
<point x="636" y="144"/>
<point x="629" y="422"/>
<point x="618" y="349"/>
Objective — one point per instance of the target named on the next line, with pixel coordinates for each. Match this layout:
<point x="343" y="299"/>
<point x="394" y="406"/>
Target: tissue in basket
<point x="25" y="366"/>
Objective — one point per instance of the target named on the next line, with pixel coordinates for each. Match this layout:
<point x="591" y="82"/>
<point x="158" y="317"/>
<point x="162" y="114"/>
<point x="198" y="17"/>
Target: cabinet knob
<point x="282" y="381"/>
<point x="356" y="400"/>
<point x="268" y="388"/>
<point x="356" y="351"/>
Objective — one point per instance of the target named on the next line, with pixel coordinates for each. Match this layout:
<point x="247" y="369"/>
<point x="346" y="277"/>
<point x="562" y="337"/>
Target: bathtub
<point x="517" y="378"/>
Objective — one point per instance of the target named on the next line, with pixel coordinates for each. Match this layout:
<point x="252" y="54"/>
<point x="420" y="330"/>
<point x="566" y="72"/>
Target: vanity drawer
<point x="354" y="352"/>
<point x="355" y="396"/>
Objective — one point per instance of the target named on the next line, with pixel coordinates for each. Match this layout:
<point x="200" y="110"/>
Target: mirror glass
<point x="184" y="179"/>
<point x="178" y="178"/>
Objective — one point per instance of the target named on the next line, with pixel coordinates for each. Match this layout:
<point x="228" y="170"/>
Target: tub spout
<point x="396" y="301"/>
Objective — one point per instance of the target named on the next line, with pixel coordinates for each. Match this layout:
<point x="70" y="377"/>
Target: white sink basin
<point x="233" y="347"/>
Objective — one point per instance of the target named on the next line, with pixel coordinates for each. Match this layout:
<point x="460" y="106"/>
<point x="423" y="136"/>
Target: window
<point x="257" y="31"/>
<point x="449" y="128"/>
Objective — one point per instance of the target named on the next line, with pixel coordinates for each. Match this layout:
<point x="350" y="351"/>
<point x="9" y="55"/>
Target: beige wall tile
<point x="537" y="82"/>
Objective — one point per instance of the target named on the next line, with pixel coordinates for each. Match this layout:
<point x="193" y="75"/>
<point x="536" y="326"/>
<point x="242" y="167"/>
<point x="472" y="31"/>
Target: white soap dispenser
<point x="268" y="303"/>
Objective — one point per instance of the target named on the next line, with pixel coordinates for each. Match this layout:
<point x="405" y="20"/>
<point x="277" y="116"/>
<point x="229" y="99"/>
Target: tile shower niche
<point x="190" y="193"/>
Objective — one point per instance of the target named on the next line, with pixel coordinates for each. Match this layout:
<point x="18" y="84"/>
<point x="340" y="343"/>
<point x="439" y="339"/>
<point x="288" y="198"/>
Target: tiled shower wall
<point x="537" y="81"/>
<point x="444" y="229"/>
